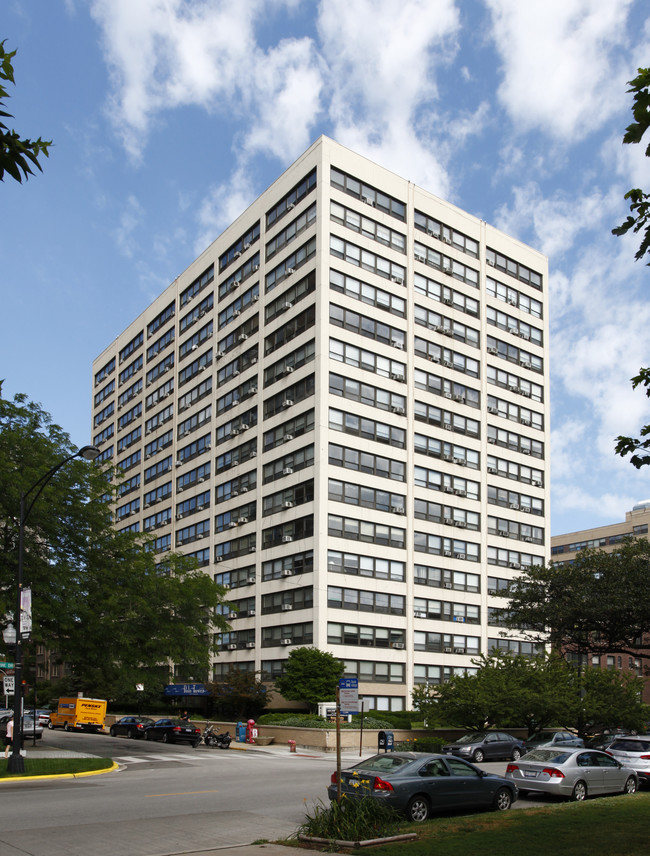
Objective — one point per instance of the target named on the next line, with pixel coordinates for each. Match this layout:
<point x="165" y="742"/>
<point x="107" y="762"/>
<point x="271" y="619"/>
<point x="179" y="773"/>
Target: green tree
<point x="507" y="691"/>
<point x="100" y="599"/>
<point x="638" y="221"/>
<point x="17" y="156"/>
<point x="310" y="676"/>
<point x="606" y="697"/>
<point x="592" y="606"/>
<point x="240" y="695"/>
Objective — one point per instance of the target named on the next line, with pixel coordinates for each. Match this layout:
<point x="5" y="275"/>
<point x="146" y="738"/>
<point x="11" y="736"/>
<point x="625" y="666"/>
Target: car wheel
<point x="579" y="791"/>
<point x="516" y="754"/>
<point x="66" y="727"/>
<point x="112" y="732"/>
<point x="417" y="809"/>
<point x="148" y="736"/>
<point x="502" y="800"/>
<point x="165" y="738"/>
<point x="630" y="786"/>
<point x="50" y="725"/>
<point x="478" y="755"/>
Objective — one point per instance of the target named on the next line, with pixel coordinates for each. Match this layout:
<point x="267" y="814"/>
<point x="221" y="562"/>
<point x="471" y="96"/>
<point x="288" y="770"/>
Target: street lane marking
<point x="180" y="794"/>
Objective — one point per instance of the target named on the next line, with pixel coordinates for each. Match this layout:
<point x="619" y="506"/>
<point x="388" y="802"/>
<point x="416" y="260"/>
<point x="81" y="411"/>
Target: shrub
<point x="421" y="744"/>
<point x="352" y="820"/>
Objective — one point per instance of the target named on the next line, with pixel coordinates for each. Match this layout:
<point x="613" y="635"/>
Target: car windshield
<point x="382" y="763"/>
<point x="546" y="755"/>
<point x="542" y="737"/>
<point x="630" y="745"/>
<point x="471" y="738"/>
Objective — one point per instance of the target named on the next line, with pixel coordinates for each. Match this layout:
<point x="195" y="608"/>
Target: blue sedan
<point x="418" y="784"/>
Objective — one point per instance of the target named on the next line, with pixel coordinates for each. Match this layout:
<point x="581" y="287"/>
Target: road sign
<point x="6" y="665"/>
<point x="9" y="684"/>
<point x="349" y="695"/>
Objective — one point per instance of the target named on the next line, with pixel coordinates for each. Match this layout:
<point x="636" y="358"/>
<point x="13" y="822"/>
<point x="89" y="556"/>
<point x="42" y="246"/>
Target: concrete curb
<point x="82" y="775"/>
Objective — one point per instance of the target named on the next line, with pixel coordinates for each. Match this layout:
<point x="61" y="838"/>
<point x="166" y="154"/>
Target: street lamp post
<point x="16" y="763"/>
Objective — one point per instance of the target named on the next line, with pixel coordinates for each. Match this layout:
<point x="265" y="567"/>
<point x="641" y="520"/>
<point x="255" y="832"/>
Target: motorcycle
<point x="218" y="741"/>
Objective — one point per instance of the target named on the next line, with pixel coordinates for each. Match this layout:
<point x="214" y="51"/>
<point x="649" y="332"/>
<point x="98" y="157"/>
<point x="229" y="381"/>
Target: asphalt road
<point x="166" y="799"/>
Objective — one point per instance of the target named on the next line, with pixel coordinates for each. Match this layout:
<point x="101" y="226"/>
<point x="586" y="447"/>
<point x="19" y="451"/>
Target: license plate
<point x="530" y="774"/>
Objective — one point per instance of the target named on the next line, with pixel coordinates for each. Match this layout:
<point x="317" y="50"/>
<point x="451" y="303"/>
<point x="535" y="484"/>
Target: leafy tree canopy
<point x="513" y="691"/>
<point x="638" y="222"/>
<point x="17" y="156"/>
<point x="100" y="599"/>
<point x="594" y="605"/>
<point x="310" y="676"/>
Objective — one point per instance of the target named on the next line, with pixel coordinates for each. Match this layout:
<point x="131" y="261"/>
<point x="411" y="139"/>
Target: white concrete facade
<point x="341" y="409"/>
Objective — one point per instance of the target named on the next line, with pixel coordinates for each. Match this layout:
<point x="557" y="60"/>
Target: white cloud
<point x="130" y="220"/>
<point x="222" y="206"/>
<point x="561" y="70"/>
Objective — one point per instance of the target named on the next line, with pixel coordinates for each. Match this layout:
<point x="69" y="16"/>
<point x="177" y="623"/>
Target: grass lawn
<point x="612" y="825"/>
<point x="57" y="766"/>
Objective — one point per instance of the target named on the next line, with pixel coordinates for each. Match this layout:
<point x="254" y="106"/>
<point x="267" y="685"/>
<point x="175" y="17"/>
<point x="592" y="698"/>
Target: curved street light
<point x="16" y="763"/>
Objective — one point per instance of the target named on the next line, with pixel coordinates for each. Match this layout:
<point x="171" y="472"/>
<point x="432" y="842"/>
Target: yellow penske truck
<point x="86" y="714"/>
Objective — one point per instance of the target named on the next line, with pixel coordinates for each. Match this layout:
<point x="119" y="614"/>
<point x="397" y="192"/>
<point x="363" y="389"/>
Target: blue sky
<point x="170" y="116"/>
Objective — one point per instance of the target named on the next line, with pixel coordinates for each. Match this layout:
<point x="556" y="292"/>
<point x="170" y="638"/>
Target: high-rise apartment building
<point x="340" y="410"/>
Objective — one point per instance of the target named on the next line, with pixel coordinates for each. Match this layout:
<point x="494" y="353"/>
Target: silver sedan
<point x="571" y="773"/>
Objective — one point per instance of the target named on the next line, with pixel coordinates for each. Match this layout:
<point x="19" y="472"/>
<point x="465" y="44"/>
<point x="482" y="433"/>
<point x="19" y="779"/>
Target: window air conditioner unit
<point x="419" y="258"/>
<point x="503" y="533"/>
<point x="446" y="267"/>
<point x="445" y="239"/>
<point x="233" y="614"/>
<point x="398" y="645"/>
<point x="536" y="483"/>
<point x="514" y="506"/>
<point x="251" y="549"/>
<point x="493" y="351"/>
<point x="397" y="344"/>
<point x="524" y="421"/>
<point x="449" y="331"/>
<point x="528" y="539"/>
<point x="526" y="392"/>
<point x="250" y="644"/>
<point x="448" y="301"/>
<point x="286" y="306"/>
<point x="242" y="520"/>
<point x="398" y="509"/>
<point x="287" y="504"/>
<point x="492" y="440"/>
<point x="255" y="298"/>
<point x="513" y="387"/>
<point x="459" y="556"/>
<point x="492" y="470"/>
<point x="244" y="489"/>
<point x="447" y="553"/>
<point x="287" y="471"/>
<point x="289" y="369"/>
<point x="434" y="358"/>
<point x="288" y="437"/>
<point x="396" y="376"/>
<point x="448" y="488"/>
<point x="514" y="565"/>
<point x="368" y="200"/>
<point x="526" y="364"/>
<point x="256" y="267"/>
<point x="290" y="270"/>
<point x="449" y="395"/>
<point x="245" y="426"/>
<point x="448" y="520"/>
<point x="285" y="642"/>
<point x="287" y="539"/>
<point x="287" y="607"/>
<point x="397" y="279"/>
<point x="492" y="591"/>
<point x="489" y="262"/>
<point x="179" y="463"/>
<point x="232" y="524"/>
<point x="219" y="558"/>
<point x="461" y="525"/>
<point x="286" y="572"/>
<point x="527" y="509"/>
<point x="232" y="647"/>
<point x="448" y="426"/>
<point x="447" y="457"/>
<point x="290" y="205"/>
<point x="251" y="581"/>
<point x="419" y="614"/>
<point x="459" y="491"/>
<point x="243" y="337"/>
<point x="448" y="364"/>
<point x="247" y="245"/>
<point x="493" y="410"/>
<point x="237" y="254"/>
<point x="459" y="650"/>
<point x="236" y="431"/>
<point x="447" y="585"/>
<point x="288" y="402"/>
<point x="234" y="492"/>
<point x="459" y="397"/>
<point x="236" y="313"/>
<point x="447" y="650"/>
<point x="396" y="408"/>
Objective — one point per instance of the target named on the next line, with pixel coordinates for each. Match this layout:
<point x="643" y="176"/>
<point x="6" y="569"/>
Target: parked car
<point x="417" y="784"/>
<point x="603" y="741"/>
<point x="29" y="729"/>
<point x="571" y="773"/>
<point x="42" y="715"/>
<point x="131" y="726"/>
<point x="633" y="751"/>
<point x="173" y="731"/>
<point x="486" y="746"/>
<point x="546" y="739"/>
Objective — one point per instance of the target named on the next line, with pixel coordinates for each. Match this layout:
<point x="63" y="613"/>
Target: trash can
<point x="240" y="732"/>
<point x="385" y="741"/>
